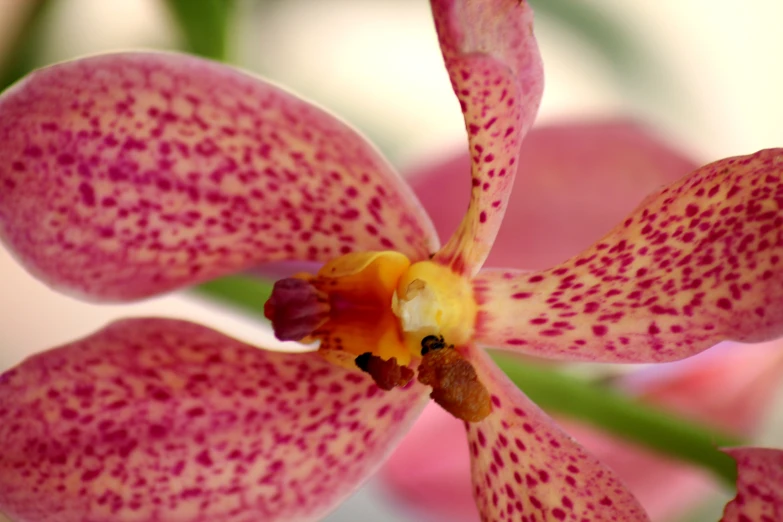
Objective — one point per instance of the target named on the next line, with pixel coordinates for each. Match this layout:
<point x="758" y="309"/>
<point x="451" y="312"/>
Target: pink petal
<point x="696" y="264"/>
<point x="523" y="464"/>
<point x="127" y="175"/>
<point x="156" y="419"/>
<point x="587" y="177"/>
<point x="759" y="486"/>
<point x="430" y="471"/>
<point x="727" y="387"/>
<point x="496" y="72"/>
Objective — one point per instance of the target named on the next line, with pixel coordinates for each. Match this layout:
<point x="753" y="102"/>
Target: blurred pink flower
<point x="588" y="176"/>
<point x="125" y="176"/>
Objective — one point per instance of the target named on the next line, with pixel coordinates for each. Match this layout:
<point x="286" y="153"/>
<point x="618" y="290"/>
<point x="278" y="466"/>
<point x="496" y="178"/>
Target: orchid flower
<point x="127" y="175"/>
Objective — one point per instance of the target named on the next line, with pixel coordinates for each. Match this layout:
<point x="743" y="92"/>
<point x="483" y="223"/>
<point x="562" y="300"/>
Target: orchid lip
<point x="295" y="309"/>
<point x="399" y="303"/>
<point x="415" y="315"/>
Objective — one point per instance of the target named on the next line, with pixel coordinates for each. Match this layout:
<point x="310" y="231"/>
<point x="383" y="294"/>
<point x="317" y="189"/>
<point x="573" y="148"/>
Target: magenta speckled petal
<point x="156" y="419"/>
<point x="522" y="464"/>
<point x="759" y="486"/>
<point x="584" y="179"/>
<point x="126" y="175"/>
<point x="496" y="72"/>
<point x="727" y="387"/>
<point x="698" y="263"/>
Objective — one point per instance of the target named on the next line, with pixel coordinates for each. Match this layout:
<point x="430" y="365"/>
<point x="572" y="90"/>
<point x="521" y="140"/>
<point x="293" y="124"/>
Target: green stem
<point x="205" y="25"/>
<point x="24" y="48"/>
<point x="619" y="414"/>
<point x="631" y="59"/>
<point x="560" y="393"/>
<point x="246" y="293"/>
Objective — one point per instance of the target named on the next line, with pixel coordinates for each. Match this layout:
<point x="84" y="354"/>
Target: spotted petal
<point x="759" y="486"/>
<point x="727" y="386"/>
<point x="126" y="175"/>
<point x="496" y="72"/>
<point x="522" y="464"/>
<point x="155" y="419"/>
<point x="430" y="471"/>
<point x="588" y="176"/>
<point x="697" y="263"/>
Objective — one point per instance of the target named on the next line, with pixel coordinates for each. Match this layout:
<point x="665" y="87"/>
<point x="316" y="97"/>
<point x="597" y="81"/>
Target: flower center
<point x="377" y="312"/>
<point x="431" y="300"/>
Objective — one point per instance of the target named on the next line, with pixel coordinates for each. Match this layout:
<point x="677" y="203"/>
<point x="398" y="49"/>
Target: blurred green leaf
<point x="246" y="293"/>
<point x="205" y="25"/>
<point x="598" y="26"/>
<point x="25" y="46"/>
<point x="614" y="412"/>
<point x="577" y="398"/>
